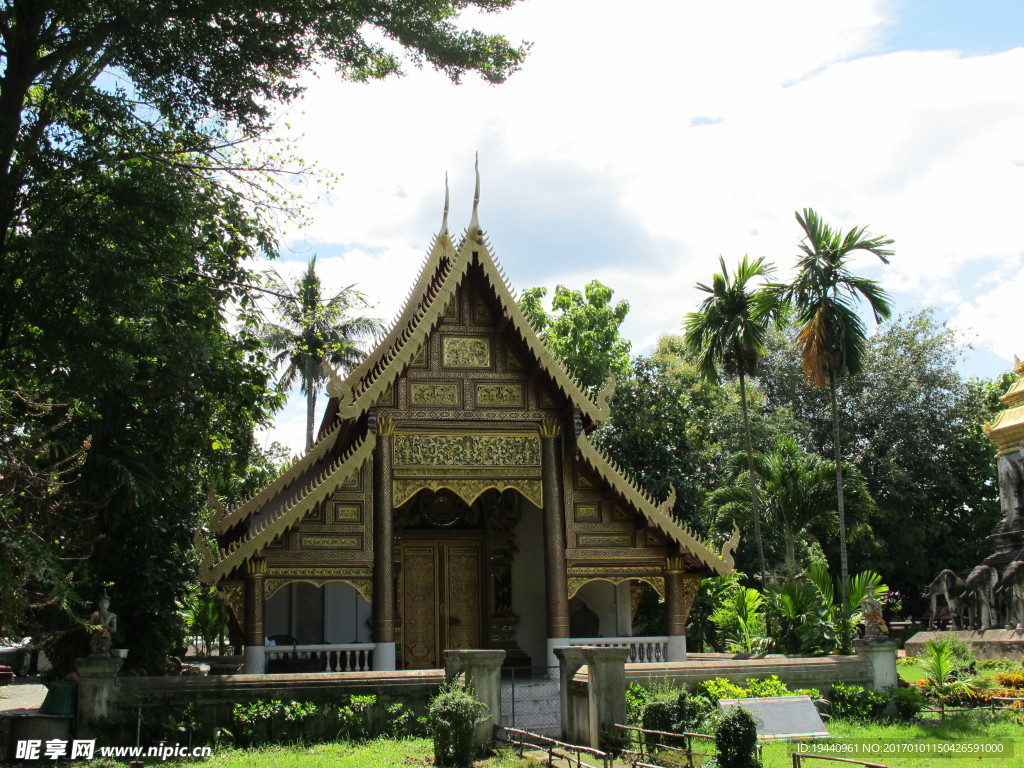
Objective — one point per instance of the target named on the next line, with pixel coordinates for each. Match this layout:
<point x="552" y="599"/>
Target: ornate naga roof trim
<point x="322" y="486"/>
<point x="223" y="519"/>
<point x="659" y="514"/>
<point x="570" y="387"/>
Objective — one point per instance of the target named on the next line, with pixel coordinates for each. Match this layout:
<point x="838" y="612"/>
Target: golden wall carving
<point x="348" y="513"/>
<point x="588" y="513"/>
<point x="466" y="352"/>
<point x="467" y="450"/>
<point x="601" y="540"/>
<point x="468" y="489"/>
<point x="576" y="582"/>
<point x="364" y="586"/>
<point x="435" y="394"/>
<point x="328" y="541"/>
<point x="500" y="395"/>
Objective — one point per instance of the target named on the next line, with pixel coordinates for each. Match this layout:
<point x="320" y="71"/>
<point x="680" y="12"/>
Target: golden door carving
<point x="441" y="603"/>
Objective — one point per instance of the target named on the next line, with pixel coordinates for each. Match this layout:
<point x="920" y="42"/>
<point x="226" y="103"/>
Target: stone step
<point x="537" y="707"/>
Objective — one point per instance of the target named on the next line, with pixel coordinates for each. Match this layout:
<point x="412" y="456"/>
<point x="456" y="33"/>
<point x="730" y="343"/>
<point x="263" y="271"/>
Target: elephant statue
<point x="951" y="587"/>
<point x="979" y="594"/>
<point x="1012" y="584"/>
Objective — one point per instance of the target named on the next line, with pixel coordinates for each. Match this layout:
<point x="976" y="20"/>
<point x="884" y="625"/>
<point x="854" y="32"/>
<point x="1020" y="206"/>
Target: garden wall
<point x="795" y="671"/>
<point x="213" y="698"/>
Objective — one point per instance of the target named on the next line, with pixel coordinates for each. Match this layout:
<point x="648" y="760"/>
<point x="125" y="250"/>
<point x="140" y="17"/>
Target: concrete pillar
<point x="97" y="678"/>
<point x="383" y="545"/>
<point x="881" y="653"/>
<point x="255" y="578"/>
<point x="570" y="659"/>
<point x="483" y="672"/>
<point x="605" y="695"/>
<point x="554" y="535"/>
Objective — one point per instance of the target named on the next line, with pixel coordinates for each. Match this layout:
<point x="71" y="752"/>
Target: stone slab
<point x="996" y="644"/>
<point x="782" y="717"/>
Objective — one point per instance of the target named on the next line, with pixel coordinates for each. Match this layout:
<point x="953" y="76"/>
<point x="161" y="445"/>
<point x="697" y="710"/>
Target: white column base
<point x="255" y="660"/>
<point x="384" y="657"/>
<point x="675" y="649"/>
<point x="550" y="660"/>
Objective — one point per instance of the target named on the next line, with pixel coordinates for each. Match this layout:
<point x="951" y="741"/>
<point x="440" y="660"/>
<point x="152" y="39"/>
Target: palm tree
<point x="833" y="337"/>
<point x="730" y="328"/>
<point x="314" y="328"/>
<point x="796" y="491"/>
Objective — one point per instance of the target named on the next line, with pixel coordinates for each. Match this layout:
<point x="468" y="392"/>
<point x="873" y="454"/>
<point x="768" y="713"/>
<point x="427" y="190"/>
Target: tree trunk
<point x="753" y="482"/>
<point x="310" y="415"/>
<point x="843" y="567"/>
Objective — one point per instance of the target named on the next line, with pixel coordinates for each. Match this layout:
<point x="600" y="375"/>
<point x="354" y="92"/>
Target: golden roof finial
<point x="474" y="223"/>
<point x="444" y="219"/>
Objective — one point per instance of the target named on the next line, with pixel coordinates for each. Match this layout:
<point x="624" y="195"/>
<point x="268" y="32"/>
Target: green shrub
<point x="259" y="722"/>
<point x="719" y="688"/>
<point x="771" y="686"/>
<point x="636" y="697"/>
<point x="909" y="700"/>
<point x="692" y="713"/>
<point x="355" y="718"/>
<point x="453" y="715"/>
<point x="736" y="739"/>
<point x="853" y="701"/>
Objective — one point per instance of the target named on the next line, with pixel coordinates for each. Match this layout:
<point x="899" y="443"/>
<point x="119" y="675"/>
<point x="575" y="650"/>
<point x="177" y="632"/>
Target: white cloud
<point x="593" y="167"/>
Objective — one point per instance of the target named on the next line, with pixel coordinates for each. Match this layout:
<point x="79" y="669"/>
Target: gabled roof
<point x="659" y="515"/>
<point x="284" y="502"/>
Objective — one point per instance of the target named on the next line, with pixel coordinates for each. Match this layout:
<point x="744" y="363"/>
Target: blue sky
<point x="637" y="149"/>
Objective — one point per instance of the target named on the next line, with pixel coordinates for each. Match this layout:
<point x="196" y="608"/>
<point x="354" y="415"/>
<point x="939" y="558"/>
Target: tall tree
<point x="798" y="492"/>
<point x="316" y="327"/>
<point x="833" y="338"/>
<point x="132" y="191"/>
<point x="729" y="329"/>
<point x="583" y="330"/>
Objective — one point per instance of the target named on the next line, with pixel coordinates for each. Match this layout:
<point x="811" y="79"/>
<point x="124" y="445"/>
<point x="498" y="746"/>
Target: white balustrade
<point x="325" y="657"/>
<point x="642" y="650"/>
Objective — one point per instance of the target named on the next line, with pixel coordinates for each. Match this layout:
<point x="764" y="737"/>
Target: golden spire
<point x="1006" y="430"/>
<point x="474" y="223"/>
<point x="444" y="219"/>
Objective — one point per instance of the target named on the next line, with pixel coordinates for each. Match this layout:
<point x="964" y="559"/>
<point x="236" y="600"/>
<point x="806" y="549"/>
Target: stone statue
<point x="871" y="615"/>
<point x="104" y="624"/>
<point x="1012" y="583"/>
<point x="1011" y="485"/>
<point x="951" y="587"/>
<point x="980" y="596"/>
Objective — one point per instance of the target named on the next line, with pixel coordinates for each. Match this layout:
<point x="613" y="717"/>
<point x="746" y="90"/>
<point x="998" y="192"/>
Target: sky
<point x="642" y="141"/>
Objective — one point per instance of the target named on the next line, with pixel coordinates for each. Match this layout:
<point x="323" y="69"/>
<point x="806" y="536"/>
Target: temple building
<point x="453" y="499"/>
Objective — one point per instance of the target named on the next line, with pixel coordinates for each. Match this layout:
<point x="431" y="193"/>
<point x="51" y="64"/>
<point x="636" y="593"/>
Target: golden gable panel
<point x="434" y="394"/>
<point x="500" y="395"/>
<point x="331" y="541"/>
<point x="466" y="352"/>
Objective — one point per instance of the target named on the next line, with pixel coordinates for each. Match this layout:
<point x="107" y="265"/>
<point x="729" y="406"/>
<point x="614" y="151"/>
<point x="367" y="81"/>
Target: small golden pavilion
<point x="452" y="500"/>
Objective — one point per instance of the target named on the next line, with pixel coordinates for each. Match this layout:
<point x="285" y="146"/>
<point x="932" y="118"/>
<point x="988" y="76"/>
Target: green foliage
<point x="736" y="739"/>
<point x="740" y="621"/>
<point x="909" y="700"/>
<point x="133" y="187"/>
<point x="769" y="686"/>
<point x="583" y="330"/>
<point x="451" y="718"/>
<point x="797" y="493"/>
<point x="853" y="701"/>
<point x="719" y="688"/>
<point x="262" y="722"/>
<point x="314" y="328"/>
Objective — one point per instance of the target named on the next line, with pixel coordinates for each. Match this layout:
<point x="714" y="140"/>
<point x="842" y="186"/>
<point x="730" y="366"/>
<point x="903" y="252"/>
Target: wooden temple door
<point x="441" y="599"/>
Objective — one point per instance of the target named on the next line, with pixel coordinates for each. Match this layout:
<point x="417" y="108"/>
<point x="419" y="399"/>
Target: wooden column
<point x="554" y="530"/>
<point x="383" y="533"/>
<point x="255" y="576"/>
<point x="680" y="591"/>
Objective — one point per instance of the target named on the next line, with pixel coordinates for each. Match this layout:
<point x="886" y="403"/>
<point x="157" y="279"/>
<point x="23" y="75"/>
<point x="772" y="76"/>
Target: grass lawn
<point x="961" y="730"/>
